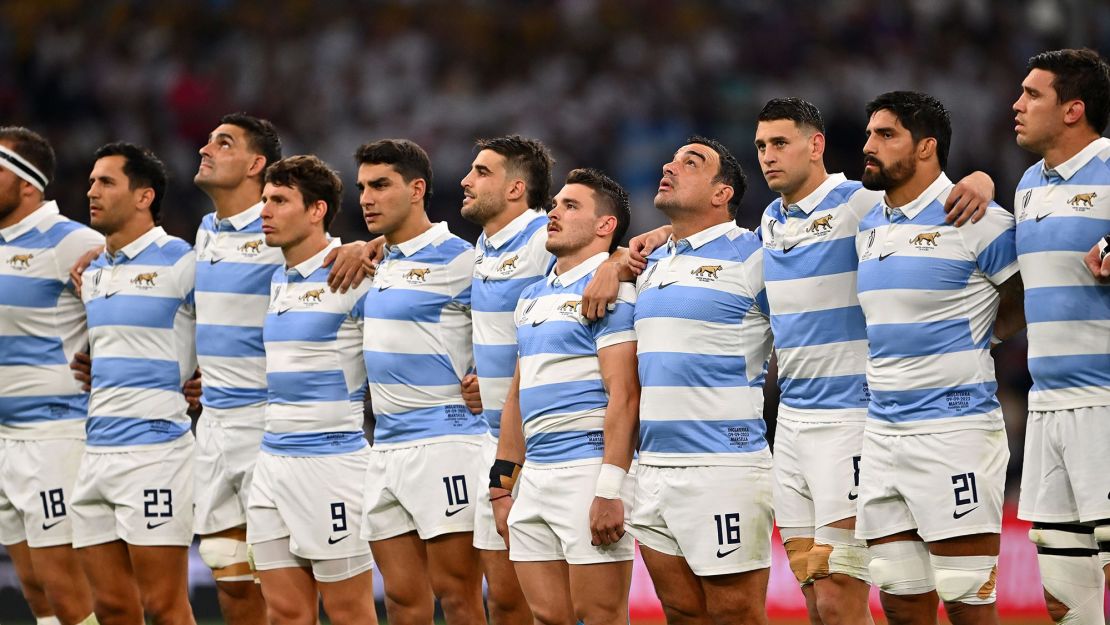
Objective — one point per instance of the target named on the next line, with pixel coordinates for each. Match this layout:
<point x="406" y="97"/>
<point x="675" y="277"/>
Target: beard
<point x="9" y="200"/>
<point x="482" y="210"/>
<point x="885" y="178"/>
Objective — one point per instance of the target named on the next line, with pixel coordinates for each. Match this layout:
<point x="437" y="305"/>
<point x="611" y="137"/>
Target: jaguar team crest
<point x="312" y="297"/>
<point x="145" y="280"/>
<point x="19" y="262"/>
<point x="707" y="273"/>
<point x="1084" y="200"/>
<point x="251" y="248"/>
<point x="417" y="275"/>
<point x="821" y="225"/>
<point x="925" y="240"/>
<point x="508" y="265"/>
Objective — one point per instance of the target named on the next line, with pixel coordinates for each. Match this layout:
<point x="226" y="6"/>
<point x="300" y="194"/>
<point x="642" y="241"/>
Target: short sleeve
<point x="617" y="326"/>
<point x="992" y="242"/>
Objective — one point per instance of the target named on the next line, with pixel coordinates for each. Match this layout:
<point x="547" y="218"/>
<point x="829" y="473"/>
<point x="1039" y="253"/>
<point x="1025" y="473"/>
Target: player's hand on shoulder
<point x="601" y="292"/>
<point x="969" y="199"/>
<point x="606" y="521"/>
<point x="82" y="264"/>
<point x="642" y="245"/>
<point x="349" y="264"/>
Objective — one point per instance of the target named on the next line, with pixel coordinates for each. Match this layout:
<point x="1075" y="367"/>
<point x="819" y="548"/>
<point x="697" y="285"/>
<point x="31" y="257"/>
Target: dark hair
<point x="313" y="178"/>
<point x="729" y="171"/>
<point x="528" y="157"/>
<point x="143" y="170"/>
<point x="1079" y="75"/>
<point x="33" y="147"/>
<point x="921" y="114"/>
<point x="407" y="158"/>
<point x="797" y="110"/>
<point x="612" y="199"/>
<point x="261" y="135"/>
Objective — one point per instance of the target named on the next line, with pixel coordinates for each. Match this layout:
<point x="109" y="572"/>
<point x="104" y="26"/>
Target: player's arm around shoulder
<point x="1098" y="260"/>
<point x="992" y="242"/>
<point x="969" y="199"/>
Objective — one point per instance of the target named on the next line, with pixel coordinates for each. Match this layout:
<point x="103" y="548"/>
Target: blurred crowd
<point x="614" y="84"/>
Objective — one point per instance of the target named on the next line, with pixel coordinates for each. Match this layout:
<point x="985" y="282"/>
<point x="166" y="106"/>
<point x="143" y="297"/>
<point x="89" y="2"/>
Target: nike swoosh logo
<point x="888" y="255"/>
<point x="282" y="312"/>
<point x="332" y="541"/>
<point x="454" y="512"/>
<point x="721" y="555"/>
<point x="46" y="527"/>
<point x="787" y="249"/>
<point x="853" y="496"/>
<point x="1040" y="217"/>
<point x="151" y="526"/>
<point x="215" y="260"/>
<point x="664" y="285"/>
<point x="383" y="288"/>
<point x="107" y="295"/>
<point x="960" y="515"/>
<point x="536" y="324"/>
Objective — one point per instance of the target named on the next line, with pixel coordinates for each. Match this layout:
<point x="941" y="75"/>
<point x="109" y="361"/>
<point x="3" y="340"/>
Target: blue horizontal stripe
<point x="118" y="431"/>
<point x="402" y="304"/>
<point x="29" y="292"/>
<point x="1057" y="372"/>
<point x="518" y="241"/>
<point x="692" y="370"/>
<point x="305" y="444"/>
<point x="164" y="375"/>
<point x="1001" y="253"/>
<point x="302" y="325"/>
<point x="1093" y="173"/>
<point x="1067" y="303"/>
<point x="162" y="254"/>
<point x="495" y="361"/>
<point x="493" y="420"/>
<point x="1064" y="234"/>
<point x="229" y="341"/>
<point x="410" y="369"/>
<point x="441" y="253"/>
<point x="29" y="408"/>
<point x="908" y="340"/>
<point x="562" y="398"/>
<point x="555" y="336"/>
<point x="303" y="387"/>
<point x="142" y="311"/>
<point x="223" y="397"/>
<point x="58" y="232"/>
<point x="31" y="350"/>
<point x="914" y="272"/>
<point x="838" y="392"/>
<point x="231" y="277"/>
<point x="808" y="261"/>
<point x="694" y="303"/>
<point x="933" y="403"/>
<point x="703" y="436"/>
<point x="739" y="249"/>
<point x="549" y="447"/>
<point x="450" y="420"/>
<point x="819" y="327"/>
<point x="499" y="295"/>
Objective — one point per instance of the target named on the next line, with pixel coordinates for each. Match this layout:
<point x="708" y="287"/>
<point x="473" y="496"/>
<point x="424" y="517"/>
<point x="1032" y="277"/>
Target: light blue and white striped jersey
<point x="42" y="325"/>
<point x="928" y="291"/>
<point x="704" y="343"/>
<point x="809" y="267"/>
<point x="141" y="337"/>
<point x="1062" y="213"/>
<point x="314" y="367"/>
<point x="418" y="342"/>
<point x="234" y="271"/>
<point x="562" y="398"/>
<point x="506" y="263"/>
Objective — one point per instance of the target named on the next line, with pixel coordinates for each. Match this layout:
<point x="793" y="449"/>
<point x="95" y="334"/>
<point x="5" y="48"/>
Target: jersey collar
<point x="243" y="219"/>
<point x="422" y="240"/>
<point x="513" y="228"/>
<point x="134" y="248"/>
<point x="575" y="274"/>
<point x="914" y="208"/>
<point x="698" y="239"/>
<point x="1068" y="168"/>
<point x="810" y="202"/>
<point x="25" y="225"/>
<point x="305" y="268"/>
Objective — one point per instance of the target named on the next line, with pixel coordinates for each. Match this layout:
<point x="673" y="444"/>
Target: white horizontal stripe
<point x="939" y="371"/>
<point x="810" y="294"/>
<point x="822" y="361"/>
<point x="38" y="380"/>
<point x="1044" y="269"/>
<point x="680" y="403"/>
<point x="396" y="398"/>
<point x="1069" y="338"/>
<point x="137" y="402"/>
<point x="902" y="305"/>
<point x="494" y="391"/>
<point x="665" y="334"/>
<point x="543" y="369"/>
<point x="494" y="328"/>
<point x="323" y="416"/>
<point x="290" y="356"/>
<point x="136" y="342"/>
<point x="567" y="422"/>
<point x="231" y="309"/>
<point x="410" y="337"/>
<point x="616" y="338"/>
<point x="1069" y="398"/>
<point x="233" y="372"/>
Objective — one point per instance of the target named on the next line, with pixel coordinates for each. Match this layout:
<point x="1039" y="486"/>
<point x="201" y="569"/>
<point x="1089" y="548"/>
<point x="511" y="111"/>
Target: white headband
<point x="20" y="167"/>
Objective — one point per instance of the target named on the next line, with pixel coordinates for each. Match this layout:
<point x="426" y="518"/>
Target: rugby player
<point x="426" y="465"/>
<point x="570" y="416"/>
<point x="133" y="502"/>
<point x="234" y="268"/>
<point x="1063" y="210"/>
<point x="305" y="506"/>
<point x="505" y="192"/>
<point x="42" y="407"/>
<point x="934" y="298"/>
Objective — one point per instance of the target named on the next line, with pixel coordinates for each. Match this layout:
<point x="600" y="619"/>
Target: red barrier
<point x="1019" y="582"/>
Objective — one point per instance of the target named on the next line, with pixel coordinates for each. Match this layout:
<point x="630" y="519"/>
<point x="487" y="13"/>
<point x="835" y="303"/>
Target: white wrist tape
<point x="609" y="482"/>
